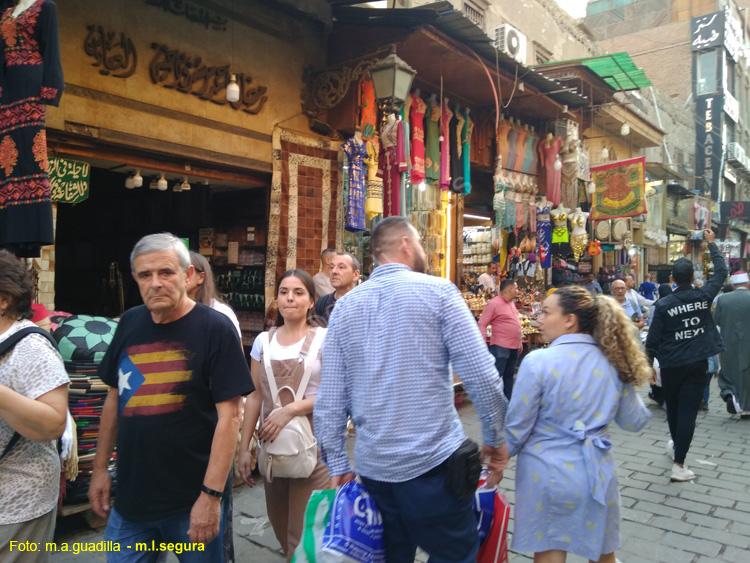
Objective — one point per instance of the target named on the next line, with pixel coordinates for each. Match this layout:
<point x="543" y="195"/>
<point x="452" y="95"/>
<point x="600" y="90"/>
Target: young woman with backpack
<point x="286" y="373"/>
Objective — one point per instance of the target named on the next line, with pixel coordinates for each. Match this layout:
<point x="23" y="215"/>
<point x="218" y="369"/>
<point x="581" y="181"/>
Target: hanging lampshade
<point x="392" y="78"/>
<point x="137" y="178"/>
<point x="625" y="130"/>
<point x="162" y="185"/>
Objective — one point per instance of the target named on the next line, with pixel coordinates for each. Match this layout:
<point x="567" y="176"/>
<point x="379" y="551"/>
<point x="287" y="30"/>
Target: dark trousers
<point x="505" y="364"/>
<point x="424" y="513"/>
<point x="683" y="392"/>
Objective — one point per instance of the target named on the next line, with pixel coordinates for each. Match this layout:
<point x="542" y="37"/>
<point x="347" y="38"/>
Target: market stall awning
<point x="458" y="35"/>
<point x="617" y="69"/>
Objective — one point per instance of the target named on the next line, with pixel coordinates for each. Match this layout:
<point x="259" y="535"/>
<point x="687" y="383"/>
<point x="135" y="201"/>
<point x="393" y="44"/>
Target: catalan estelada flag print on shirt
<point x="150" y="379"/>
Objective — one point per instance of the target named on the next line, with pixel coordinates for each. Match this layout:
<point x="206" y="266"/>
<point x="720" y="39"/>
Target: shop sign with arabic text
<point x="707" y="31"/>
<point x="69" y="180"/>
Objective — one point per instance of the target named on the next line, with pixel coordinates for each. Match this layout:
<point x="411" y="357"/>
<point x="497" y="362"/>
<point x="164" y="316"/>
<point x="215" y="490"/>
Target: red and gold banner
<point x="620" y="189"/>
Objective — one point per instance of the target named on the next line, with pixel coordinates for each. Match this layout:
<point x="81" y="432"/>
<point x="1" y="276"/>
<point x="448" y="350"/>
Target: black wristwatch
<point x="211" y="492"/>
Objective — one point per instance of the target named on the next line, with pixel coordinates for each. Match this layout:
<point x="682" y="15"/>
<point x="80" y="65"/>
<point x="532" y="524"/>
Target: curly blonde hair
<point x="606" y="320"/>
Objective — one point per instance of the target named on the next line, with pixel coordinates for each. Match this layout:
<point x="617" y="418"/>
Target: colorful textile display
<point x="374" y="197"/>
<point x="82" y="341"/>
<point x="548" y="150"/>
<point x="544" y="236"/>
<point x="466" y="134"/>
<point x="445" y="144"/>
<point x="30" y="78"/>
<point x="620" y="189"/>
<point x="432" y="130"/>
<point x="356" y="153"/>
<point x="392" y="164"/>
<point x="368" y="116"/>
<point x="416" y="119"/>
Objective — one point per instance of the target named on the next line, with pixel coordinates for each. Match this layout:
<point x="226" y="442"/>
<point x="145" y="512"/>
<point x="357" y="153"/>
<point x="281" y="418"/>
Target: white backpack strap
<point x="266" y="347"/>
<point x="310" y="359"/>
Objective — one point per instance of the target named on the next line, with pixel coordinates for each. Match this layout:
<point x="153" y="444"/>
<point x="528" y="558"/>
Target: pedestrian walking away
<point x="506" y="340"/>
<point x="567" y="497"/>
<point x="683" y="337"/>
<point x="732" y="316"/>
<point x="176" y="377"/>
<point x="386" y="363"/>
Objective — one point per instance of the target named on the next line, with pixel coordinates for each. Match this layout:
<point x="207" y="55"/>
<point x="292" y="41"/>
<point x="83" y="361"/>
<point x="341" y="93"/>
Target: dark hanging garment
<point x="457" y="171"/>
<point x="30" y="78"/>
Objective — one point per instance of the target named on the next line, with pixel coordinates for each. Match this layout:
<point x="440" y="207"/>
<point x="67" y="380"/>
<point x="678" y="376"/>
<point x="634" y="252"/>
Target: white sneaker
<point x="670" y="449"/>
<point x="681" y="474"/>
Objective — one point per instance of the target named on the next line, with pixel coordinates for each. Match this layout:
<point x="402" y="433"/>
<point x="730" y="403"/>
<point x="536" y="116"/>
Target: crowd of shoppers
<point x="177" y="378"/>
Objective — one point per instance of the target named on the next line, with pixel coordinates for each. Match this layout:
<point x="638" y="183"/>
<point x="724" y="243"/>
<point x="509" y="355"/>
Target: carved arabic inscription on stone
<point x="189" y="74"/>
<point x="193" y="12"/>
<point x="113" y="53"/>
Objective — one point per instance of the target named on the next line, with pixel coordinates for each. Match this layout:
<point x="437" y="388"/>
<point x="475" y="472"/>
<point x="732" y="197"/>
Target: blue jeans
<point x="424" y="513"/>
<point x="505" y="364"/>
<point x="171" y="529"/>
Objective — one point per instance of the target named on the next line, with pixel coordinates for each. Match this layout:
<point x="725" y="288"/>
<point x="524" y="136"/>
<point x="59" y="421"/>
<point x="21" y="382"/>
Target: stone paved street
<point x="707" y="520"/>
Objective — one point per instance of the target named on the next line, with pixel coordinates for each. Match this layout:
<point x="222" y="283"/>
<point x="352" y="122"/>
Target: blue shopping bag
<point x="354" y="533"/>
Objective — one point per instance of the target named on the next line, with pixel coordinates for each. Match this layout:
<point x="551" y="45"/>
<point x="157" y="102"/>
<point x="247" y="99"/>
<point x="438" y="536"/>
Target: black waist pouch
<point x="463" y="469"/>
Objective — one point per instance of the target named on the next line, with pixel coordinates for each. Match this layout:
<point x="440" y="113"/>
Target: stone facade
<point x="159" y="105"/>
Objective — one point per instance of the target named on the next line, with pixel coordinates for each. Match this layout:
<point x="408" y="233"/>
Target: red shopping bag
<point x="492" y="507"/>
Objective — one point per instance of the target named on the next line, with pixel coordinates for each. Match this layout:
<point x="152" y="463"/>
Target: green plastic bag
<point x="317" y="514"/>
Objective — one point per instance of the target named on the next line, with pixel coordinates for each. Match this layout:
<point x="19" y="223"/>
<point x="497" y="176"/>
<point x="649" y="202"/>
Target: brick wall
<point x="45" y="268"/>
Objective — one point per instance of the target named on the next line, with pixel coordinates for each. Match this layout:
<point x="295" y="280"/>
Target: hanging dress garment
<point x="416" y="120"/>
<point x="457" y="170"/>
<point x="544" y="237"/>
<point x="30" y="78"/>
<point x="547" y="156"/>
<point x="466" y="151"/>
<point x="368" y="116"/>
<point x="404" y="168"/>
<point x="374" y="197"/>
<point x="392" y="164"/>
<point x="432" y="160"/>
<point x="569" y="175"/>
<point x="502" y="141"/>
<point x="521" y="148"/>
<point x="512" y="148"/>
<point x="529" y="162"/>
<point x="445" y="147"/>
<point x="355" y="208"/>
<point x="499" y="204"/>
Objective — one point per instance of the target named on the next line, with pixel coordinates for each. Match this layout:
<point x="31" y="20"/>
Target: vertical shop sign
<point x="69" y="180"/>
<point x="709" y="146"/>
<point x="707" y="31"/>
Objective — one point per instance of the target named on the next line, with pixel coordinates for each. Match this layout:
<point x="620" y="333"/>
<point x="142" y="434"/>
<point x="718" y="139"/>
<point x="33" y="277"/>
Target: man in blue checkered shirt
<point x="386" y="364"/>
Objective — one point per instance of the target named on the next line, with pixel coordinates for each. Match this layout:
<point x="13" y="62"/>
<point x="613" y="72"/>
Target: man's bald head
<point x="396" y="240"/>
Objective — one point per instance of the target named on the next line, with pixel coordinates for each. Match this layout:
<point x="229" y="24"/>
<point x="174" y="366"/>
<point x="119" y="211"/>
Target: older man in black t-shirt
<point x="177" y="377"/>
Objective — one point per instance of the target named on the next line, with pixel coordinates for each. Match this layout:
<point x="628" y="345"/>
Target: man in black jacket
<point x="682" y="337"/>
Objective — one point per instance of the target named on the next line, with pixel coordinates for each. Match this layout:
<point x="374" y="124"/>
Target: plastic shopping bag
<point x="355" y="529"/>
<point x="317" y="516"/>
<point x="493" y="517"/>
<point x="341" y="526"/>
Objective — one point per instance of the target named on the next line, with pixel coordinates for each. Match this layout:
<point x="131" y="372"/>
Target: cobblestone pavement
<point x="707" y="520"/>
